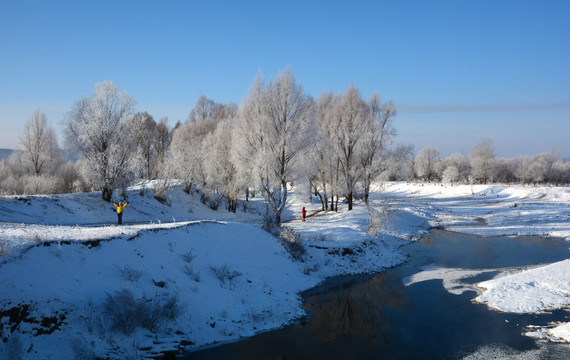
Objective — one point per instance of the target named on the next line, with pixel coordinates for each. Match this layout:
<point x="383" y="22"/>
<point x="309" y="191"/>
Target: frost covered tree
<point x="188" y="138"/>
<point x="462" y="168"/>
<point x="221" y="167"/>
<point x="505" y="170"/>
<point x="400" y="163"/>
<point x="450" y="174"/>
<point x="186" y="150"/>
<point x="276" y="119"/>
<point x="351" y="143"/>
<point x="483" y="161"/>
<point x="324" y="157"/>
<point x="41" y="152"/>
<point x="427" y="163"/>
<point x="161" y="143"/>
<point x="97" y="129"/>
<point x="376" y="139"/>
<point x="143" y="127"/>
<point x="250" y="137"/>
<point x="354" y="121"/>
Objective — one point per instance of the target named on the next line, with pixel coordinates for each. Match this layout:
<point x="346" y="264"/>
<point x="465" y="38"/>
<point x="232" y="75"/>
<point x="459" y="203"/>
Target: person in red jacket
<point x="304" y="212"/>
<point x="120" y="208"/>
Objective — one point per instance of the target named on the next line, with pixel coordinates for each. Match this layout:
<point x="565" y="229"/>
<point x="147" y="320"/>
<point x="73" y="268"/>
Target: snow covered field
<point x="215" y="276"/>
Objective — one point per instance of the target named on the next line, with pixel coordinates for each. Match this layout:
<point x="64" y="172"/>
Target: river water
<point x="379" y="317"/>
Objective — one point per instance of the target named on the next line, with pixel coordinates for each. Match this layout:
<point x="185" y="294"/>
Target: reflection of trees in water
<point x="356" y="312"/>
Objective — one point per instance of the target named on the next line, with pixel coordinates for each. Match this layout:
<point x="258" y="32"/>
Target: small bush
<point x="130" y="274"/>
<point x="171" y="308"/>
<point x="224" y="274"/>
<point x="127" y="313"/>
<point x="190" y="271"/>
<point x="188" y="256"/>
<point x="293" y="243"/>
<point x="379" y="219"/>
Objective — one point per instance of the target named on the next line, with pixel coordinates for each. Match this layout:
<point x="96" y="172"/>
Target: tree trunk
<point x="187" y="186"/>
<point x="367" y="182"/>
<point x="107" y="193"/>
<point x="349" y="199"/>
<point x="321" y="199"/>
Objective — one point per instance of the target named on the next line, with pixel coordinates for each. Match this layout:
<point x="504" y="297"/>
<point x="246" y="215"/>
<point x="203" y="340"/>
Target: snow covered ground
<point x="66" y="269"/>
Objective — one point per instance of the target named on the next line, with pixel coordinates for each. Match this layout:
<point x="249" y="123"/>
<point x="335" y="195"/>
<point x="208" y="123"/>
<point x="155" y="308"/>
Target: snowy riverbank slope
<point x="201" y="276"/>
<point x="74" y="284"/>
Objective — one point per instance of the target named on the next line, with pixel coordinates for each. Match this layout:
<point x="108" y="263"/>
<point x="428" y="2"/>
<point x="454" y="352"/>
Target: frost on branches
<point x="97" y="129"/>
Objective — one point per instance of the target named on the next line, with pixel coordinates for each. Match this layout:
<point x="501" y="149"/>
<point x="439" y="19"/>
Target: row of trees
<point x="112" y="145"/>
<point x="280" y="135"/>
<point x="484" y="167"/>
<point x="277" y="136"/>
<point x="337" y="145"/>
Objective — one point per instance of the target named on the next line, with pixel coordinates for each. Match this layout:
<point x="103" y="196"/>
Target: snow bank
<point x="531" y="291"/>
<point x="70" y="283"/>
<point x="63" y="258"/>
<point x="505" y="210"/>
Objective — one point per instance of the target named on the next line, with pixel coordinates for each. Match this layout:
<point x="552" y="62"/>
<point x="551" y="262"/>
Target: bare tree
<point x="41" y="153"/>
<point x="96" y="128"/>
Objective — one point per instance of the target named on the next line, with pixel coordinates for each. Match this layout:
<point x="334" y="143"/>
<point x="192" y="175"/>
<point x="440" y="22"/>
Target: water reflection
<point x="357" y="311"/>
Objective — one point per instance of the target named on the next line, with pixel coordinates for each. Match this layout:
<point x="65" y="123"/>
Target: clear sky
<point x="458" y="71"/>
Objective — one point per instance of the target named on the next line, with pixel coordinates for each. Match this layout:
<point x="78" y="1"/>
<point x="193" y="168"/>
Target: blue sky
<point x="458" y="71"/>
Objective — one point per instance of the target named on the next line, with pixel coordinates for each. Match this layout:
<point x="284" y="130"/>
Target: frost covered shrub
<point x="188" y="256"/>
<point x="130" y="274"/>
<point x="378" y="219"/>
<point x="293" y="243"/>
<point x="124" y="311"/>
<point x="128" y="313"/>
<point x="193" y="273"/>
<point x="269" y="224"/>
<point x="40" y="184"/>
<point x="224" y="274"/>
<point x="10" y="185"/>
<point x="171" y="308"/>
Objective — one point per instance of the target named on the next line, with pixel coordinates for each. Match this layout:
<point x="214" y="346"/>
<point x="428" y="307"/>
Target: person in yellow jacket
<point x="120" y="208"/>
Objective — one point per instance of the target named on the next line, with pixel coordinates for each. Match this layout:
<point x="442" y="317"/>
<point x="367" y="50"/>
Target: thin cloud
<point x="480" y="108"/>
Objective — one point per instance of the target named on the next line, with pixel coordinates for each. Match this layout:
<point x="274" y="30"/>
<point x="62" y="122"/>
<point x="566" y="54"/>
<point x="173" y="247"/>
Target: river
<point x="379" y="317"/>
